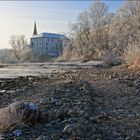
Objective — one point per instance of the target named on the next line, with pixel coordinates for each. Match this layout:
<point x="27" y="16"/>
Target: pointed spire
<point x="35" y="29"/>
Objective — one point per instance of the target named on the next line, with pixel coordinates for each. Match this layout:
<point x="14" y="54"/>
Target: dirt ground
<point x="97" y="104"/>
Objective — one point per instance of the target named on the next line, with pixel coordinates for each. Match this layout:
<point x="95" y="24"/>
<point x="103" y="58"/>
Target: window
<point x="48" y="39"/>
<point x="52" y="40"/>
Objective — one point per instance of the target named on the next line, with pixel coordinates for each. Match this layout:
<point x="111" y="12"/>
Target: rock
<point x="61" y="114"/>
<point x="42" y="138"/>
<point x="48" y="125"/>
<point x="56" y="136"/>
<point x="17" y="132"/>
<point x="68" y="128"/>
<point x="58" y="103"/>
<point x="138" y="91"/>
<point x="3" y="137"/>
<point x="44" y="101"/>
<point x="44" y="114"/>
<point x="137" y="83"/>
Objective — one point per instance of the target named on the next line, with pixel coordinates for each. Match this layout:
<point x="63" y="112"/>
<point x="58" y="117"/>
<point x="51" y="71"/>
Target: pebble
<point x="42" y="138"/>
<point x="68" y="128"/>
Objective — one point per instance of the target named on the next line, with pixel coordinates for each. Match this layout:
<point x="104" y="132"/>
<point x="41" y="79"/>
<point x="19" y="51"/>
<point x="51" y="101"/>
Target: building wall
<point x="46" y="46"/>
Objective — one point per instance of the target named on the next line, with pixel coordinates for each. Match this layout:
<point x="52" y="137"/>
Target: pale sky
<point x="17" y="17"/>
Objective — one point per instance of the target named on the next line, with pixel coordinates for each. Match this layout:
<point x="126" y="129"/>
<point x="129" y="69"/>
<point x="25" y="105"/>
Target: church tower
<point x="35" y="29"/>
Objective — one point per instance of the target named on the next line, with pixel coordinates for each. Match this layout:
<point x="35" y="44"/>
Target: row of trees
<point x="97" y="31"/>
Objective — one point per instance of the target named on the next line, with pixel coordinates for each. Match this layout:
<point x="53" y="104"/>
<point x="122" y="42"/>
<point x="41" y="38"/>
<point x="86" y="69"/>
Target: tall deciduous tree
<point x="130" y="8"/>
<point x="97" y="10"/>
<point x="88" y="32"/>
<point x="20" y="48"/>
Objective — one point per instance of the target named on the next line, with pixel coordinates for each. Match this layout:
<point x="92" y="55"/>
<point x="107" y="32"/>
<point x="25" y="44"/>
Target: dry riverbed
<point x="81" y="104"/>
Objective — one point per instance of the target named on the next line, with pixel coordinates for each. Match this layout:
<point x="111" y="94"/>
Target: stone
<point x="42" y="138"/>
<point x="68" y="128"/>
<point x="58" y="103"/>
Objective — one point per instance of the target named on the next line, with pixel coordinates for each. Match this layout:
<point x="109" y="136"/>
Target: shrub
<point x="132" y="55"/>
<point x="109" y="59"/>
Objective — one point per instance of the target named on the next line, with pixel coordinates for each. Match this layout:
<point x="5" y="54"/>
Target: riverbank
<point x="97" y="103"/>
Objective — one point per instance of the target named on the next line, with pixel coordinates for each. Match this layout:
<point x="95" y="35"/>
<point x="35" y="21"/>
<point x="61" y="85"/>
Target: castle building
<point x="49" y="44"/>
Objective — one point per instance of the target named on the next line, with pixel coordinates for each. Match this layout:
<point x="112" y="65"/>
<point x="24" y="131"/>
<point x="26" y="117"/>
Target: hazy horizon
<point x="17" y="17"/>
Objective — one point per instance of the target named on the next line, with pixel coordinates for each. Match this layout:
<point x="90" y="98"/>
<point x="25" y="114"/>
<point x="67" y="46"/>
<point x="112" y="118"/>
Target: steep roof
<point x="35" y="29"/>
<point x="48" y="35"/>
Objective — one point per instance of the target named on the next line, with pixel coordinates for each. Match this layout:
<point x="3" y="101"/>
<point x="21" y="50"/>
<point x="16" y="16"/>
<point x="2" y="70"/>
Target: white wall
<point x="47" y="46"/>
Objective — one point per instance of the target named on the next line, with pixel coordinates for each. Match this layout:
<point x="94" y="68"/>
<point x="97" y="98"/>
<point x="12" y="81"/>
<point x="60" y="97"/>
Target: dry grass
<point x="132" y="56"/>
<point x="8" y="116"/>
<point x="109" y="59"/>
<point x="16" y="115"/>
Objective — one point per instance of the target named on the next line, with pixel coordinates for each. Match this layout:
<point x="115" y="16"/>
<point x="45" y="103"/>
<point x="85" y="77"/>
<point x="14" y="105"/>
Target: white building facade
<point x="49" y="44"/>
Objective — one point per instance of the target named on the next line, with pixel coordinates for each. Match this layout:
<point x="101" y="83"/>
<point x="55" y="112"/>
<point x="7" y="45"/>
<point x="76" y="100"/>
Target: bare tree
<point x="87" y="33"/>
<point x="84" y="23"/>
<point x="130" y="8"/>
<point x="125" y="29"/>
<point x="20" y="48"/>
<point x="97" y="10"/>
<point x="99" y="18"/>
